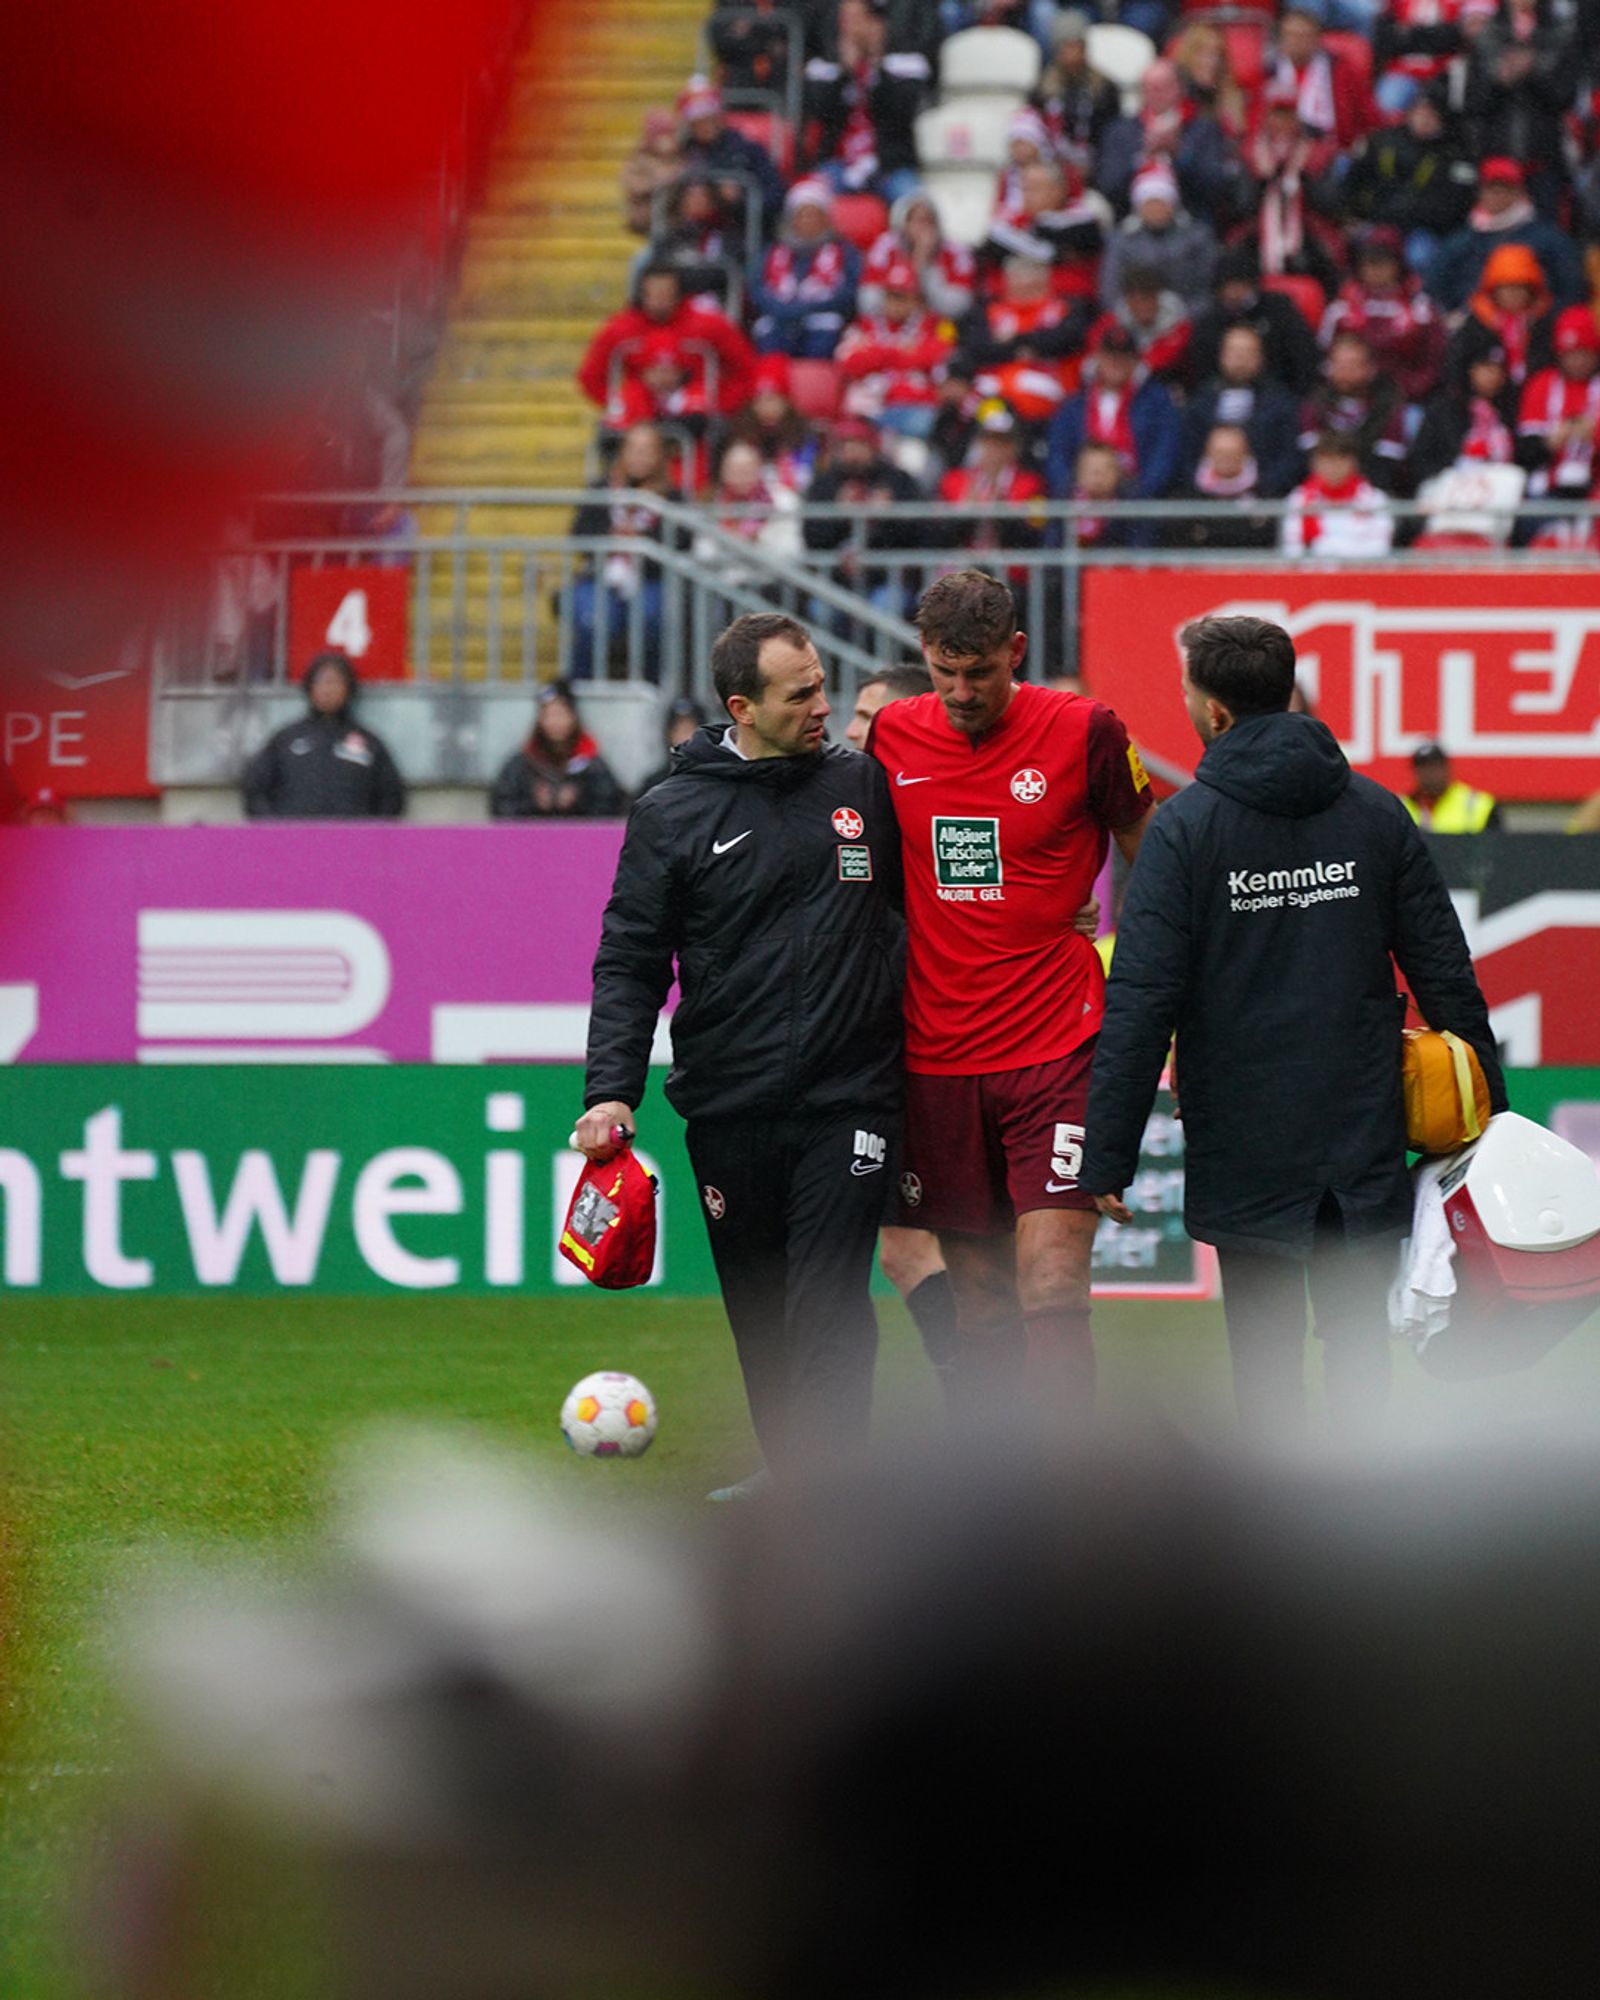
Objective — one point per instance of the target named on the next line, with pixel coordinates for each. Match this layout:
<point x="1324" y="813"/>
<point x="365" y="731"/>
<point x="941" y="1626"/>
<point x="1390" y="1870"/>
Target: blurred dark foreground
<point x="948" y="1726"/>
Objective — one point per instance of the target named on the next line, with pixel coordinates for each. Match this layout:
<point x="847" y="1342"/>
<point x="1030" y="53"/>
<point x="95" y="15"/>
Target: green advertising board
<point x="360" y="1179"/>
<point x="381" y="1179"/>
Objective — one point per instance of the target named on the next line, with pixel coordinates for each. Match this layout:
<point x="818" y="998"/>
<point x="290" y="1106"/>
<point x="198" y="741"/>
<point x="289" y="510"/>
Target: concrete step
<point x="553" y="359"/>
<point x="626" y="81"/>
<point x="447" y="398"/>
<point x="567" y="474"/>
<point x="444" y="462"/>
<point x="508" y="519"/>
<point x="518" y="439"/>
<point x="589" y="301"/>
<point x="565" y="211"/>
<point x="511" y="424"/>
<point x="547" y="261"/>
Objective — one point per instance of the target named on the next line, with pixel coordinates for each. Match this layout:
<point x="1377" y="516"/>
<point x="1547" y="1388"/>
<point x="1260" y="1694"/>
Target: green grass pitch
<point x="128" y="1426"/>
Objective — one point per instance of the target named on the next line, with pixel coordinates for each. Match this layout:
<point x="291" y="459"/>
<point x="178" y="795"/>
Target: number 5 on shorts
<point x="1067" y="1151"/>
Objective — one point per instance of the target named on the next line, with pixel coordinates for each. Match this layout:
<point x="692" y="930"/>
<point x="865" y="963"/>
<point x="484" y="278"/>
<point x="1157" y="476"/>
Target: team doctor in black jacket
<point x="1260" y="924"/>
<point x="766" y="868"/>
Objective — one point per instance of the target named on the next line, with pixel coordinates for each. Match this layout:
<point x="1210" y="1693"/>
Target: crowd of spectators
<point x="1320" y="256"/>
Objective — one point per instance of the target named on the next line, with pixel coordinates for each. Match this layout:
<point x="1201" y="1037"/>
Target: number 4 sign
<point x="358" y="612"/>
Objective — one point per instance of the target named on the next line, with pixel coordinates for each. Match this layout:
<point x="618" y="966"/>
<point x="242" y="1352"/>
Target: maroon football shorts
<point x="981" y="1150"/>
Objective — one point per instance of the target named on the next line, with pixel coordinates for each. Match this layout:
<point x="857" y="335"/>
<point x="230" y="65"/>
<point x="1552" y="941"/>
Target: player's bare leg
<point x="990" y="1345"/>
<point x="911" y="1262"/>
<point x="1053" y="1252"/>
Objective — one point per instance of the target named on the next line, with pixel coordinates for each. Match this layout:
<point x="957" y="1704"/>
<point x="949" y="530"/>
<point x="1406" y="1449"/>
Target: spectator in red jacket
<point x="1560" y="411"/>
<point x="892" y="361"/>
<point x="1384" y="304"/>
<point x="715" y="359"/>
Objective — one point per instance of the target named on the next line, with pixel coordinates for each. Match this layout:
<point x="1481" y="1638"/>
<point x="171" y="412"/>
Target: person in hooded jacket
<point x="327" y="765"/>
<point x="764" y="873"/>
<point x="684" y="719"/>
<point x="1269" y="906"/>
<point x="559" y="772"/>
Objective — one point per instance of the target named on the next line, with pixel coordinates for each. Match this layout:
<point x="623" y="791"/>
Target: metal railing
<point x="488" y="604"/>
<point x="752" y="221"/>
<point x="786" y="104"/>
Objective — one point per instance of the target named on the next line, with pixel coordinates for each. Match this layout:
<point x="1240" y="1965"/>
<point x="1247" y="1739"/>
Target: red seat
<point x="814" y="390"/>
<point x="860" y="219"/>
<point x="1246" y="43"/>
<point x="1307" y="294"/>
<point x="769" y="130"/>
<point x="1356" y="50"/>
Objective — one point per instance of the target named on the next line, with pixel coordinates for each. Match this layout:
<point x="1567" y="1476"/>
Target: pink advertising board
<point x="299" y="943"/>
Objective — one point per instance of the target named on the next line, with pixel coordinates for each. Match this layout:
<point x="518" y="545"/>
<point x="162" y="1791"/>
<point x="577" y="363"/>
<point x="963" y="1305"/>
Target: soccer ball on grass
<point x="609" y="1415"/>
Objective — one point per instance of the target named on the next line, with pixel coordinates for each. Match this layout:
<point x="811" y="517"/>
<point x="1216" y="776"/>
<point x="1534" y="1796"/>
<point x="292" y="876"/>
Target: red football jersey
<point x="1002" y="837"/>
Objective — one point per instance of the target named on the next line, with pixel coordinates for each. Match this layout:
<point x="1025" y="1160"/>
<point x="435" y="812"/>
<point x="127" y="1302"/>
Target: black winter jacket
<point x="323" y="767"/>
<point x="1259" y="924"/>
<point x="774" y="887"/>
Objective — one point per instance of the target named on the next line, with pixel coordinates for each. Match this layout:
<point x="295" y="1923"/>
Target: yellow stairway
<point x="546" y="261"/>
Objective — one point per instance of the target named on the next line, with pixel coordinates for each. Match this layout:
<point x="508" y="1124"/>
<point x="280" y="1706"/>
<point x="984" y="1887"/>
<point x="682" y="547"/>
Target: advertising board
<point x="1503" y="668"/>
<point x="82" y="735"/>
<point x="354" y="1181"/>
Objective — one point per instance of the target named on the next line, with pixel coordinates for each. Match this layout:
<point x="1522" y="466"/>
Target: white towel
<point x="1419" y="1299"/>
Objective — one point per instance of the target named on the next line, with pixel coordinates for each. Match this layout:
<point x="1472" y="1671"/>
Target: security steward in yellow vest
<point x="1441" y="803"/>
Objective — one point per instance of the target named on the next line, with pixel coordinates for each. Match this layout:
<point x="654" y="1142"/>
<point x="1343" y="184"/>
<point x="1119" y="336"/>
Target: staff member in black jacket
<point x="766" y="868"/>
<point x="1260" y="924"/>
<point x="327" y="765"/>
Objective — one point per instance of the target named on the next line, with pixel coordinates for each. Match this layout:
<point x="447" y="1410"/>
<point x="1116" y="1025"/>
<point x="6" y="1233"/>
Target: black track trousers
<point x="793" y="1207"/>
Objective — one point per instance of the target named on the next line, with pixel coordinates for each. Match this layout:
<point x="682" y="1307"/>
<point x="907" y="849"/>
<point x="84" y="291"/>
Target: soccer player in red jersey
<point x="1007" y="794"/>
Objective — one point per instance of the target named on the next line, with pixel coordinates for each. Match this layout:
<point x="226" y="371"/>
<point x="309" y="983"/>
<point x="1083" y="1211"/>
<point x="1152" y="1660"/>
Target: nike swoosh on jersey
<point x="866" y="1166"/>
<point x="900" y="778"/>
<point x="1059" y="1187"/>
<point x="722" y="846"/>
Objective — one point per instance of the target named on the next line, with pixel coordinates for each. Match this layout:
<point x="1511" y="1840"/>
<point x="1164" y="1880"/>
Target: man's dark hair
<point x="736" y="656"/>
<point x="1245" y="663"/>
<point x="658" y="268"/>
<point x="901" y="681"/>
<point x="967" y="613"/>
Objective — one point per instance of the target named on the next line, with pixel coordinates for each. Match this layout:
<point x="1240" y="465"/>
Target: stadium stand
<point x="1395" y="213"/>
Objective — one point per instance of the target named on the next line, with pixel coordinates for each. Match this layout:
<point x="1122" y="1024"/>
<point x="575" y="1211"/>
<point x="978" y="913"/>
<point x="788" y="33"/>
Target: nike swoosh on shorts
<point x="1060" y="1187"/>
<point x="722" y="846"/>
<point x="900" y="778"/>
<point x="866" y="1166"/>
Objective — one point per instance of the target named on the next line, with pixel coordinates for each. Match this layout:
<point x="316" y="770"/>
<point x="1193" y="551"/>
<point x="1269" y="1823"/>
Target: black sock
<point x="932" y="1305"/>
